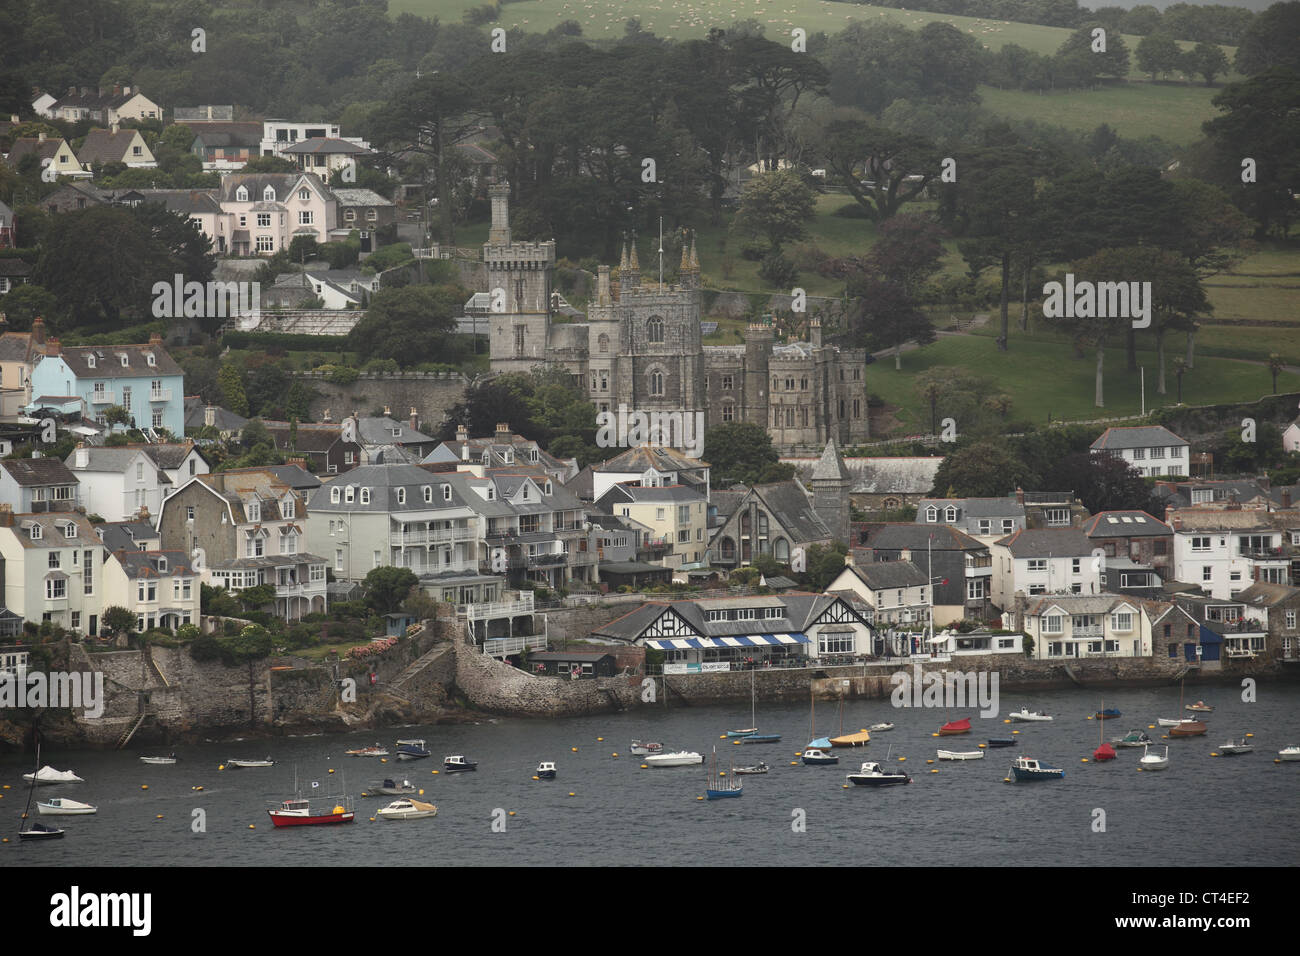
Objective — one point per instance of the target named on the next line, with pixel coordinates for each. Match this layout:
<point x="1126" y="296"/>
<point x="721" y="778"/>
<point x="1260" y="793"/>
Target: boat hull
<point x="1289" y="754"/>
<point x="1026" y="718"/>
<point x="1188" y="728"/>
<point x="889" y="780"/>
<point x="281" y="819"/>
<point x="76" y="809"/>
<point x="675" y="760"/>
<point x="723" y="794"/>
<point x="1045" y="774"/>
<point x="1162" y="764"/>
<point x="961" y="755"/>
<point x="759" y="739"/>
<point x="158" y="761"/>
<point x="43" y="833"/>
<point x="1002" y="742"/>
<point x="819" y="761"/>
<point x="859" y="739"/>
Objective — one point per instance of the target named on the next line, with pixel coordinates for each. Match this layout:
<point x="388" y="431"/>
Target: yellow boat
<point x="852" y="740"/>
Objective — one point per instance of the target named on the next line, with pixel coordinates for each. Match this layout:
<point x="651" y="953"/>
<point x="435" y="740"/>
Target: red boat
<point x="1104" y="752"/>
<point x="298" y="813"/>
<point x="955" y="727"/>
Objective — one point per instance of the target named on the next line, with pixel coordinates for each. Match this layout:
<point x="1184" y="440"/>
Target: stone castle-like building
<point x="641" y="347"/>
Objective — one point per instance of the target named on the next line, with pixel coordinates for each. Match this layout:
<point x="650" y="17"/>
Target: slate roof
<point x="114" y="459"/>
<point x="793" y="510"/>
<point x="27" y="145"/>
<point x="645" y="457"/>
<point x="830" y="465"/>
<point x="232" y="133"/>
<point x="379" y="431"/>
<point x="295" y="477"/>
<point x="1047" y="542"/>
<point x="360" y="197"/>
<point x="144" y="564"/>
<point x="383" y="482"/>
<point x="1007" y="507"/>
<point x="52" y="524"/>
<point x="674" y="494"/>
<point x="256" y="183"/>
<point x="1263" y="594"/>
<point x="1138" y="436"/>
<point x="108" y="362"/>
<point x="106" y="146"/>
<point x="883" y="575"/>
<point x="126" y="535"/>
<point x="1124" y="524"/>
<point x="801" y="611"/>
<point x="311" y="437"/>
<point x="1079" y="603"/>
<point x="169" y="456"/>
<point x="320" y="145"/>
<point x="35" y="472"/>
<point x="17" y="346"/>
<point x="224" y="419"/>
<point x="916" y="537"/>
<point x="187" y="202"/>
<point x="12" y="268"/>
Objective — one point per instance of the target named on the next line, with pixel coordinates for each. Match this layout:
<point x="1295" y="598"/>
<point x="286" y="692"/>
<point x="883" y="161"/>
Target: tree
<point x="880" y="168"/>
<point x="24" y="303"/>
<point x="984" y="469"/>
<point x="738" y="452"/>
<point x="823" y="564"/>
<point x="1159" y="53"/>
<point x="1205" y="60"/>
<point x="1180" y="369"/>
<point x="386" y="588"/>
<point x="775" y="205"/>
<point x="1080" y="51"/>
<point x="256" y="598"/>
<point x="232" y="390"/>
<point x="1265" y="45"/>
<point x="119" y="620"/>
<point x="1103" y="483"/>
<point x="410" y="325"/>
<point x="117" y="415"/>
<point x="882" y="314"/>
<point x="1275" y="364"/>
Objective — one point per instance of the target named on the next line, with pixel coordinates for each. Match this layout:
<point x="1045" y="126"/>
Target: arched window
<point x="428" y="494"/>
<point x="334" y="496"/>
<point x="602" y="342"/>
<point x="446" y="492"/>
<point x="781" y="550"/>
<point x="950" y="514"/>
<point x="656" y="382"/>
<point x="932" y="514"/>
<point x="654" y="329"/>
<point x="365" y="496"/>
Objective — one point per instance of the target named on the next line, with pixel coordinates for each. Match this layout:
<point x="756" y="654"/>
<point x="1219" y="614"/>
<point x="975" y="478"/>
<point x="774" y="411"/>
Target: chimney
<point x="52" y="347"/>
<point x="603" y="295"/>
<point x="1020" y="497"/>
<point x="503" y="432"/>
<point x="155" y="340"/>
<point x="1264" y="482"/>
<point x="126" y="91"/>
<point x="209" y="416"/>
<point x="300" y="462"/>
<point x="117" y="89"/>
<point x="83" y="455"/>
<point x="415" y="421"/>
<point x="462" y="433"/>
<point x="38" y="330"/>
<point x="815" y="332"/>
<point x="6" y="516"/>
<point x="325" y="416"/>
<point x="1286" y="499"/>
<point x="388" y="412"/>
<point x="905" y="554"/>
<point x="40" y="137"/>
<point x="113" y="127"/>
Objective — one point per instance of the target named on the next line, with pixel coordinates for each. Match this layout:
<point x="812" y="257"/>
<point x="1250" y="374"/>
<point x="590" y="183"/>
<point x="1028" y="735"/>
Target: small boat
<point x="233" y="762"/>
<point x="298" y="813"/>
<point x="1104" y="750"/>
<point x="375" y="751"/>
<point x="750" y="735"/>
<point x="1025" y="715"/>
<point x="411" y="750"/>
<point x="955" y="727"/>
<point x="1027" y="768"/>
<point x="1232" y="747"/>
<point x="720" y="786"/>
<point x="1149" y="761"/>
<point x="880" y="728"/>
<point x="1103" y="753"/>
<point x="546" y="770"/>
<point x="1200" y="707"/>
<point x="62" y="806"/>
<point x="640" y="749"/>
<point x="820" y="743"/>
<point x="758" y="739"/>
<point x="1134" y="738"/>
<point x="746" y="732"/>
<point x="1171" y="721"/>
<point x="681" y="758"/>
<point x="1109" y="713"/>
<point x="817" y="757"/>
<point x="1188" y="728"/>
<point x="39" y="831"/>
<point x="758" y="768"/>
<point x="458" y="764"/>
<point x="48" y="776"/>
<point x="1289" y="753"/>
<point x="873" y="775"/>
<point x="390" y="788"/>
<point x="1002" y="742"/>
<point x="859" y="739"/>
<point x="961" y="755"/>
<point x="407" y="810"/>
<point x="160" y="761"/>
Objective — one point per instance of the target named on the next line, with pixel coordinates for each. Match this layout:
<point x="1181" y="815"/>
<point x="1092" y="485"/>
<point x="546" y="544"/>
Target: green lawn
<point x="1044" y="379"/>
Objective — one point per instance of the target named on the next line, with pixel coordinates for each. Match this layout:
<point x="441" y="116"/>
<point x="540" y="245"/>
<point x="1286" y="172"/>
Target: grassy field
<point x="1045" y="380"/>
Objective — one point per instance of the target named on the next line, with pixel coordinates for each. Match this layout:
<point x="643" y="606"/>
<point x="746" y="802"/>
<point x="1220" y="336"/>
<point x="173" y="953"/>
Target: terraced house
<point x="1224" y="551"/>
<point x="1073" y="627"/>
<point x="162" y="588"/>
<point x="53" y="567"/>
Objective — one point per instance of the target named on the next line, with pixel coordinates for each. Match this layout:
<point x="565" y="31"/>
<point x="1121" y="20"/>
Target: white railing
<point x="101" y="398"/>
<point x="160" y="395"/>
<point x="504" y="646"/>
<point x="400" y="539"/>
<point x="300" y="590"/>
<point x="495" y="609"/>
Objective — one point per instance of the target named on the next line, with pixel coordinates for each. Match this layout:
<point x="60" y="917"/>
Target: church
<point x="640" y="346"/>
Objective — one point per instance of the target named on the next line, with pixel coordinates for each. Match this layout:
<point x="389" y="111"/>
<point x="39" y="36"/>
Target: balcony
<point x="160" y="395"/>
<point x="546" y="560"/>
<point x="424" y="538"/>
<point x="310" y="589"/>
<point x="1265" y="554"/>
<point x="100" y="397"/>
<point x="498" y="609"/>
<point x="1086" y="633"/>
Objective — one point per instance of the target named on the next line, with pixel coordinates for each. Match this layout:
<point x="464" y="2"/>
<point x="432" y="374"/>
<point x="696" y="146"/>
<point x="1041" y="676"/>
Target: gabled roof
<point x="360" y="197"/>
<point x="126" y="535"/>
<point x="1124" y="524"/>
<point x="223" y="418"/>
<point x="18" y="346"/>
<point x="1138" y="436"/>
<point x="107" y="146"/>
<point x="1006" y="507"/>
<point x="802" y="610"/>
<point x="793" y="511"/>
<point x="644" y="457"/>
<point x="883" y="575"/>
<point x="915" y="537"/>
<point x="187" y="202"/>
<point x="34" y="472"/>
<point x="325" y="145"/>
<point x="1047" y="542"/>
<point x="1263" y="594"/>
<point x="108" y="361"/>
<point x="169" y="456"/>
<point x="29" y="145"/>
<point x="1079" y="603"/>
<point x="310" y="438"/>
<point x="379" y="431"/>
<point x="145" y="564"/>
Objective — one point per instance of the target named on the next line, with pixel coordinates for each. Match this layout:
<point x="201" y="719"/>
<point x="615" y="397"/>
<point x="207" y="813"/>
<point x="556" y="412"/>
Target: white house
<point x="1151" y="449"/>
<point x="1068" y="626"/>
<point x="897" y="591"/>
<point x="1225" y="551"/>
<point x="1043" y="561"/>
<point x="161" y="587"/>
<point x="54" y="569"/>
<point x="1291" y="437"/>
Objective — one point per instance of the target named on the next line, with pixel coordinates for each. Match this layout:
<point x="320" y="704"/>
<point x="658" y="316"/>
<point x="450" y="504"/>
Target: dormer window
<point x="351" y="494"/>
<point x="36" y="532"/>
<point x="365" y="495"/>
<point x="548" y="487"/>
<point x="241" y="194"/>
<point x="401" y="496"/>
<point x="397" y="432"/>
<point x="428" y="494"/>
<point x="509" y="456"/>
<point x="532" y="455"/>
<point x="254" y="511"/>
<point x="90" y="361"/>
<point x="287" y="507"/>
<point x="446" y="492"/>
<point x="950" y="514"/>
<point x="525" y="492"/>
<point x="162" y="565"/>
<point x="492" y="493"/>
<point x="150" y="358"/>
<point x="931" y="514"/>
<point x="69" y="530"/>
<point x="268" y="194"/>
<point x="334" y="496"/>
<point x="487" y="457"/>
<point x="126" y="360"/>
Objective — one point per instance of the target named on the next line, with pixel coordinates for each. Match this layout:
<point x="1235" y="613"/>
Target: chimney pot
<point x="155" y="339"/>
<point x="1020" y="496"/>
<point x="415" y="421"/>
<point x="1286" y="498"/>
<point x="388" y="412"/>
<point x="52" y="347"/>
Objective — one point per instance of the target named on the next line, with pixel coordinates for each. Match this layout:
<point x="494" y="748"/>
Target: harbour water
<point x="1202" y="811"/>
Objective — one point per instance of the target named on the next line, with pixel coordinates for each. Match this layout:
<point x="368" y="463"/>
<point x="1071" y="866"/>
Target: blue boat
<point x="1002" y="741"/>
<point x="759" y="739"/>
<point x="1027" y="768"/>
<point x="411" y="750"/>
<point x="821" y="743"/>
<point x="720" y="787"/>
<point x="1110" y="713"/>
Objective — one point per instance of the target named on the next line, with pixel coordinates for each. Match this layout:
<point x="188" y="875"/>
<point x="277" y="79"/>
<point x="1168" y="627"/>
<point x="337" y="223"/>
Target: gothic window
<point x="841" y="409"/>
<point x="776" y="384"/>
<point x="602" y="343"/>
<point x="519" y="295"/>
<point x="656" y="382"/>
<point x="727" y="411"/>
<point x="654" y="329"/>
<point x="857" y="408"/>
<point x="803" y="415"/>
<point x="776" y="418"/>
<point x="803" y="383"/>
<point x="789" y="417"/>
<point x="520" y="332"/>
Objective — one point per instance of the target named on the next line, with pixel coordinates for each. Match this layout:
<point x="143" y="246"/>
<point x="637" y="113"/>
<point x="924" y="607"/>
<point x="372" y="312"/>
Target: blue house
<point x="143" y="379"/>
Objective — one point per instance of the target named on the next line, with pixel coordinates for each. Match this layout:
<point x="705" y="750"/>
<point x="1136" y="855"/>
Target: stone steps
<point x="416" y="666"/>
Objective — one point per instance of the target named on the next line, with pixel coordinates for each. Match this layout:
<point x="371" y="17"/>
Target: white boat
<point x="407" y="810"/>
<point x="961" y="755"/>
<point x="160" y="761"/>
<point x="1242" y="746"/>
<point x="1289" y="753"/>
<point x="62" y="806"/>
<point x="641" y="748"/>
<point x="682" y="758"/>
<point x="232" y="762"/>
<point x="1025" y="715"/>
<point x="376" y="751"/>
<point x="873" y="775"/>
<point x="1150" y="761"/>
<point x="880" y="728"/>
<point x="1168" y="721"/>
<point x="48" y="776"/>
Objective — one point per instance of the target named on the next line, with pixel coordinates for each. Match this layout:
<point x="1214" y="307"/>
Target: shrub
<point x="777" y="270"/>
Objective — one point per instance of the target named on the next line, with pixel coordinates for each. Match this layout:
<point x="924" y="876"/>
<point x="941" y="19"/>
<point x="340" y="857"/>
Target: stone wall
<point x="431" y="394"/>
<point x="489" y="685"/>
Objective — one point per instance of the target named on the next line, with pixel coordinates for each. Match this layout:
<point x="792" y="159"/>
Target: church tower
<point x="831" y="482"/>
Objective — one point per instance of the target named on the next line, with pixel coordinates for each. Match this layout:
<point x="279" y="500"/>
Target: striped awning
<point x="705" y="643"/>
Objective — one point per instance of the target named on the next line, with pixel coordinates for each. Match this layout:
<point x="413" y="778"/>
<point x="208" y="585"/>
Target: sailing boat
<point x="750" y="735"/>
<point x="1186" y="727"/>
<point x="729" y="786"/>
<point x="37" y="831"/>
<point x="857" y="739"/>
<point x="1105" y="751"/>
<point x="817" y="743"/>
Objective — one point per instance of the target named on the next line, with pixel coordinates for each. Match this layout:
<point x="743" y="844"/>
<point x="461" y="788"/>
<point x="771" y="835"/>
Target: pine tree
<point x="232" y="390"/>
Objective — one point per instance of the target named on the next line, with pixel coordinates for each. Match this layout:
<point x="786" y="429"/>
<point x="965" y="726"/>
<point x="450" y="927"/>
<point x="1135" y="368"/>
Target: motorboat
<point x="1025" y="715"/>
<point x="1200" y="707"/>
<point x="1027" y="768"/>
<point x="375" y="751"/>
<point x="458" y="764"/>
<point x="235" y="762"/>
<point x="757" y="768"/>
<point x="955" y="727"/>
<point x="1149" y="761"/>
<point x="160" y="761"/>
<point x="407" y="810"/>
<point x="680" y="758"/>
<point x="298" y="813"/>
<point x="1171" y="721"/>
<point x="1134" y="738"/>
<point x="1232" y="747"/>
<point x="873" y="775"/>
<point x="47" y="776"/>
<point x="62" y="806"/>
<point x="1289" y="753"/>
<point x="641" y="749"/>
<point x="817" y="757"/>
<point x="411" y="750"/>
<point x="961" y="755"/>
<point x="1002" y="742"/>
<point x="880" y="728"/>
<point x="546" y="770"/>
<point x="390" y="788"/>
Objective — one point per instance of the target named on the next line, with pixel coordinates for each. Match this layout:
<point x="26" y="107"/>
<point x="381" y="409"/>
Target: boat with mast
<point x="298" y="811"/>
<point x="750" y="735"/>
<point x="1104" y="750"/>
<point x="858" y="738"/>
<point x="815" y="743"/>
<point x="36" y="831"/>
<point x="1186" y="727"/>
<point x="727" y="786"/>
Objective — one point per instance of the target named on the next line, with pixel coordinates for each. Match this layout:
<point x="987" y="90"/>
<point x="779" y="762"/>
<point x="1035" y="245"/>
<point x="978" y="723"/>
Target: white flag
<point x="315" y="784"/>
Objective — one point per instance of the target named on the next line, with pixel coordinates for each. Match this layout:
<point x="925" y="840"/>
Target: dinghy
<point x="48" y="776"/>
<point x="961" y="755"/>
